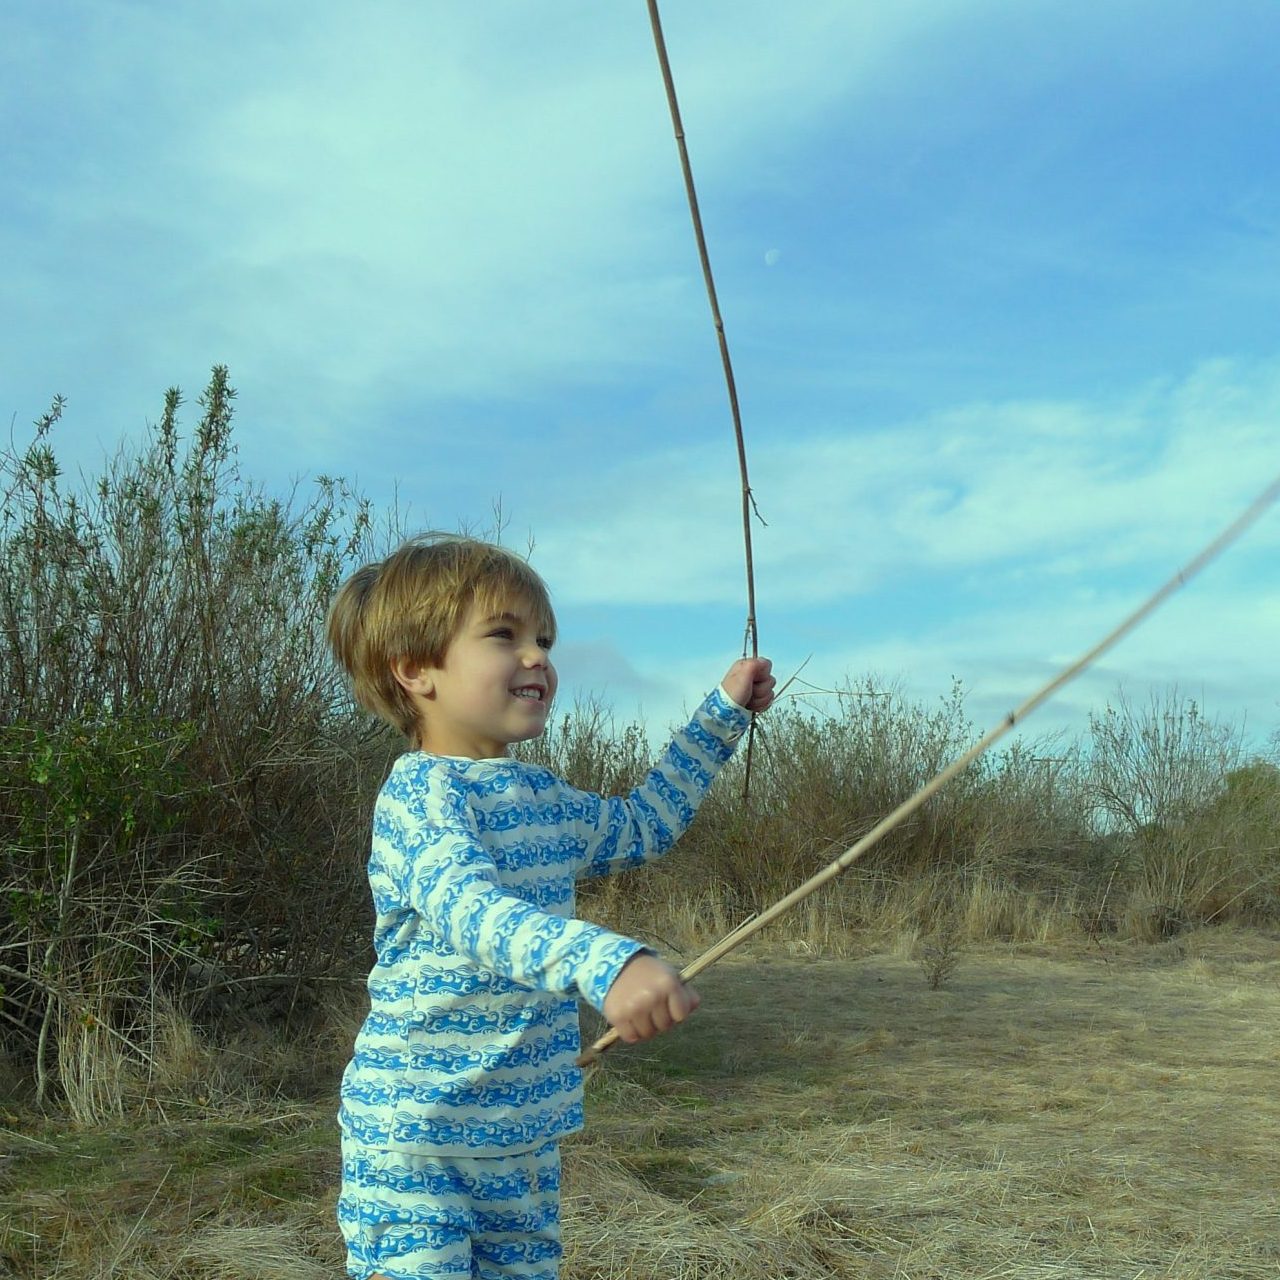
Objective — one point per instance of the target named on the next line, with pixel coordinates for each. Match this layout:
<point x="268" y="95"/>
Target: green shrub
<point x="185" y="779"/>
<point x="100" y="884"/>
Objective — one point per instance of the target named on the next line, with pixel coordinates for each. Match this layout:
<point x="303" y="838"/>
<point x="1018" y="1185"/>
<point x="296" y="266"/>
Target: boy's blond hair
<point x="413" y="603"/>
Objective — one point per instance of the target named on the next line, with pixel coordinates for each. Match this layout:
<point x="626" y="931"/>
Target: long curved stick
<point x="750" y="638"/>
<point x="909" y="806"/>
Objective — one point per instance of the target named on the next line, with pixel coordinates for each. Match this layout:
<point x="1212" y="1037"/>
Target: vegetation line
<point x="750" y="638"/>
<point x="909" y="806"/>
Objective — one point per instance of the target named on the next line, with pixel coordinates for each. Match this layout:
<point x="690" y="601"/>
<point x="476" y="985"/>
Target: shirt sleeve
<point x="451" y="881"/>
<point x="627" y="831"/>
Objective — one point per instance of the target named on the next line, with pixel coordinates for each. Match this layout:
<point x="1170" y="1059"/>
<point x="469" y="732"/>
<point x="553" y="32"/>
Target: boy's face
<point x="494" y="686"/>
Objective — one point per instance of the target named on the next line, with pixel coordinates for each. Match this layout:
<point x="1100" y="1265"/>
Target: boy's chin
<point x="532" y="732"/>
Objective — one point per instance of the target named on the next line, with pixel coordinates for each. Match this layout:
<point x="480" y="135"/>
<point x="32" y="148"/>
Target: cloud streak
<point x="1069" y="488"/>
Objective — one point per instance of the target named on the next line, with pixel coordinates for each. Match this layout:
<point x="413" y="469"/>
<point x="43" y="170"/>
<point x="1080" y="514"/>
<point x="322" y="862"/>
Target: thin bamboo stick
<point x="851" y="855"/>
<point x="750" y="638"/>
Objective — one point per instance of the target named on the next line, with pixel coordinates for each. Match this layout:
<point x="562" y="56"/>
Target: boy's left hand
<point x="749" y="682"/>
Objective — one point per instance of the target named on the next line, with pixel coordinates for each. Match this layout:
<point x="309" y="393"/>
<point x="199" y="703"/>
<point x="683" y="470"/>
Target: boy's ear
<point x="413" y="677"/>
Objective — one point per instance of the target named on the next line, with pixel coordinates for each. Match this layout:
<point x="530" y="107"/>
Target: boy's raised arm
<point x="627" y="831"/>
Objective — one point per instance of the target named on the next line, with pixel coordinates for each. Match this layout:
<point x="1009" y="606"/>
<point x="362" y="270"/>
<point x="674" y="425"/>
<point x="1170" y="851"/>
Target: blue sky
<point x="999" y="281"/>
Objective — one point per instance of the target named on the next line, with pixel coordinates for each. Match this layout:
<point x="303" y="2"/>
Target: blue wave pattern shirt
<point x="470" y="1041"/>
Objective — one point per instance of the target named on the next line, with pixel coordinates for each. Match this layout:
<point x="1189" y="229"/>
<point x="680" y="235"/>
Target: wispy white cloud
<point x="1212" y="643"/>
<point x="406" y="179"/>
<point x="1069" y="489"/>
<point x="355" y="209"/>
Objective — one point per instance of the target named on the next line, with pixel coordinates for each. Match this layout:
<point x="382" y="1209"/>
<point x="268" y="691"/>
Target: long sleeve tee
<point x="472" y="1033"/>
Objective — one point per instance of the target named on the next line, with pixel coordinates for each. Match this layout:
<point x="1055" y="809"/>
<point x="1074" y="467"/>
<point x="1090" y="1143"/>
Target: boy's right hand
<point x="750" y="683"/>
<point x="647" y="998"/>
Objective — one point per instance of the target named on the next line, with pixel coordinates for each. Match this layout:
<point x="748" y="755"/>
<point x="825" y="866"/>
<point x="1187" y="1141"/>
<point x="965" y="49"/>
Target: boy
<point x="463" y="1077"/>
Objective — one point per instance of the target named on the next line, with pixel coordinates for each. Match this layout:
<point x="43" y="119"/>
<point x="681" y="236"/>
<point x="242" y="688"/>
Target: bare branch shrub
<point x="1155" y="766"/>
<point x="1193" y="826"/>
<point x="1030" y="843"/>
<point x="825" y="777"/>
<point x="822" y="778"/>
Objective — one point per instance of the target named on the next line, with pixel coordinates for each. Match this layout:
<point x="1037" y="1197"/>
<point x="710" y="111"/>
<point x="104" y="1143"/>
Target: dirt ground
<point x="1093" y="1113"/>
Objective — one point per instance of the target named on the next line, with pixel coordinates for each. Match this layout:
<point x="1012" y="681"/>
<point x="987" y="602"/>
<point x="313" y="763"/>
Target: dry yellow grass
<point x="1088" y="1114"/>
<point x="1049" y="1112"/>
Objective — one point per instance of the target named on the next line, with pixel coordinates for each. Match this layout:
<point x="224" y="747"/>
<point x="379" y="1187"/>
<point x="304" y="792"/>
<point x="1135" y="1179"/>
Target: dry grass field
<point x="1046" y="1112"/>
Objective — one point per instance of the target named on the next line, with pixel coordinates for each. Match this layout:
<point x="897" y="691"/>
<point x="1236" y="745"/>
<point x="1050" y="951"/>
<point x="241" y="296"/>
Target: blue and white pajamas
<point x="491" y="1217"/>
<point x="467" y="1054"/>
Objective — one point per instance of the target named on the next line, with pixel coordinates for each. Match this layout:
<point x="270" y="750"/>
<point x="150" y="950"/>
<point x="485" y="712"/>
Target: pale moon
<point x="771" y="256"/>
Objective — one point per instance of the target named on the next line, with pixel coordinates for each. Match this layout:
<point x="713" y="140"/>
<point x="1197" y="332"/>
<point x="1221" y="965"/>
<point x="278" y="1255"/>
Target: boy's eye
<point x="545" y="642"/>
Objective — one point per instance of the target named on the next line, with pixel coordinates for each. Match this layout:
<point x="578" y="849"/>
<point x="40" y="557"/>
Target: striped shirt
<point x="472" y="1032"/>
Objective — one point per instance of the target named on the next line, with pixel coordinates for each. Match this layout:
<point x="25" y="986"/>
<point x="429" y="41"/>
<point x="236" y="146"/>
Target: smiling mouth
<point x="530" y="693"/>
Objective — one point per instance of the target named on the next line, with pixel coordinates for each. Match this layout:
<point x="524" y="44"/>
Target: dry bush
<point x="1010" y="836"/>
<point x="589" y="749"/>
<point x="1158" y="765"/>
<point x="1152" y="823"/>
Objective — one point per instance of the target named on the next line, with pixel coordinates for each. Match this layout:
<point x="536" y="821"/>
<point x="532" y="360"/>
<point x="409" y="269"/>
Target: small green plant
<point x="939" y="953"/>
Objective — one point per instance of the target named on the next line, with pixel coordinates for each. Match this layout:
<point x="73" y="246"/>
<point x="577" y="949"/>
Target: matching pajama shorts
<point x="411" y="1217"/>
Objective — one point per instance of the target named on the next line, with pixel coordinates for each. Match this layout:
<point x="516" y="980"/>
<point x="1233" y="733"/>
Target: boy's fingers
<point x="682" y="1003"/>
<point x="756" y="682"/>
<point x="629" y="1031"/>
<point x="648" y="1027"/>
<point x="661" y="1017"/>
<point x="647" y="999"/>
